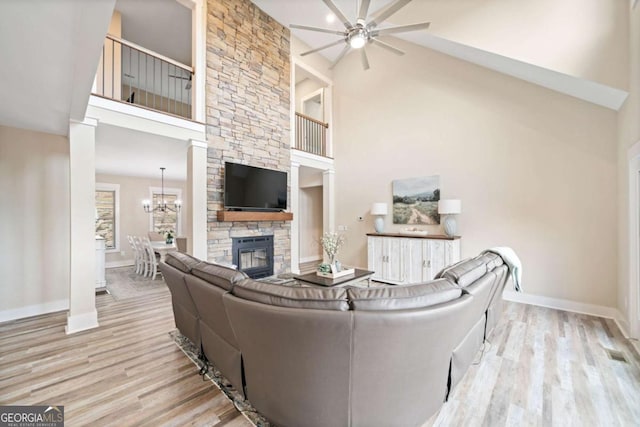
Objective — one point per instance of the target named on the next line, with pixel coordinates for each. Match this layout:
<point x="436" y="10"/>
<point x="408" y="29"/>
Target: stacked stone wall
<point x="248" y="114"/>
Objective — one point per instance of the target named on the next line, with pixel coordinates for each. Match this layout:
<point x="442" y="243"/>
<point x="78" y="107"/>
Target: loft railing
<point x="130" y="73"/>
<point x="311" y="135"/>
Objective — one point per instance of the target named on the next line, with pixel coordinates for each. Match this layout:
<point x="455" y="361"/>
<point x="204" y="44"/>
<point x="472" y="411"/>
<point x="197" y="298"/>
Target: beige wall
<point x="133" y="219"/>
<point x="535" y="170"/>
<point x="35" y="233"/>
<point x="310" y="223"/>
<point x="628" y="135"/>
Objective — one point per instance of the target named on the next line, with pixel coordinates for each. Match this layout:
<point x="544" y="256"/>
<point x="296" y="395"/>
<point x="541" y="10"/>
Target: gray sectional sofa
<point x="353" y="356"/>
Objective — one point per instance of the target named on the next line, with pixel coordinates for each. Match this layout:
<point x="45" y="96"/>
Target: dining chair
<point x="151" y="259"/>
<point x="181" y="244"/>
<point x="154" y="236"/>
<point x="139" y="256"/>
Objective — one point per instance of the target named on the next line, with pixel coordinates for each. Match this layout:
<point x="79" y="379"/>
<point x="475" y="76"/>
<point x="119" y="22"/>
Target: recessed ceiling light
<point x="330" y="18"/>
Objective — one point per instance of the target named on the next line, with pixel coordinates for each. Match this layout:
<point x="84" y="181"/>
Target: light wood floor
<point x="126" y="372"/>
<point x="543" y="367"/>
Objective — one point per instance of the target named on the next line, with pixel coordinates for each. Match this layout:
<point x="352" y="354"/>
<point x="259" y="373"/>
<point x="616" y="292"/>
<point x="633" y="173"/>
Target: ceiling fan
<point x="363" y="31"/>
<point x="187" y="86"/>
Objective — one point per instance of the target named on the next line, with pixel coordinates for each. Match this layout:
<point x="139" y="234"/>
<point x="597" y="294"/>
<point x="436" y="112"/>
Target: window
<point x="107" y="214"/>
<point x="162" y="222"/>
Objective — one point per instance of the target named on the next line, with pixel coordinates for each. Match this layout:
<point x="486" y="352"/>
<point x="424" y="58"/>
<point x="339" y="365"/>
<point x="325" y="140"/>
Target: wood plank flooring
<point x="542" y="367"/>
<point x="126" y="372"/>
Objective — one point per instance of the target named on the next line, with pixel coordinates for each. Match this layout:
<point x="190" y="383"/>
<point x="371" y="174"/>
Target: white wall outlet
<point x="342" y="228"/>
<point x="121" y="253"/>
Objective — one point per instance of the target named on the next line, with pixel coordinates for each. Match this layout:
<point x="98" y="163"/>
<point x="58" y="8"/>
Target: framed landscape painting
<point x="415" y="200"/>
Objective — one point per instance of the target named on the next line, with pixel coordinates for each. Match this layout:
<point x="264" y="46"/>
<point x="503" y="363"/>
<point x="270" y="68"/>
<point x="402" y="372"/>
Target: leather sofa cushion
<point x="289" y="296"/>
<point x="218" y="275"/>
<point x="440" y="274"/>
<point x="490" y="259"/>
<point x="466" y="272"/>
<point x="404" y="297"/>
<point x="181" y="261"/>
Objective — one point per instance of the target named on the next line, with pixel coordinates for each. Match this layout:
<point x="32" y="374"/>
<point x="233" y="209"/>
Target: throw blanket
<point x="513" y="262"/>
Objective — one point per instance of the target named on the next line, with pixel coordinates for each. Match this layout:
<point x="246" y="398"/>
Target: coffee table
<point x="357" y="276"/>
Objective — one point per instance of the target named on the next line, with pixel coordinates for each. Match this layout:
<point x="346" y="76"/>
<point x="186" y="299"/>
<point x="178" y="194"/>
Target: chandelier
<point x="162" y="205"/>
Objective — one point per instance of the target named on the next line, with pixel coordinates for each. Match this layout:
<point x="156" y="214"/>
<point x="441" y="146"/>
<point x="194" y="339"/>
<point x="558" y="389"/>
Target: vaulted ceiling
<point x="576" y="47"/>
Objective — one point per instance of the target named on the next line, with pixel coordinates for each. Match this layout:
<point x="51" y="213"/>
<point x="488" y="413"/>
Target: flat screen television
<point x="249" y="188"/>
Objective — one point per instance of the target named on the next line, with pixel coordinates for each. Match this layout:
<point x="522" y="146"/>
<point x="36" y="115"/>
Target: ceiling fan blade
<point x="320" y="30"/>
<point x="364" y="9"/>
<point x="386" y="12"/>
<point x="322" y="47"/>
<point x="331" y="5"/>
<point x="400" y="29"/>
<point x="387" y="46"/>
<point x="344" y="51"/>
<point x="364" y="59"/>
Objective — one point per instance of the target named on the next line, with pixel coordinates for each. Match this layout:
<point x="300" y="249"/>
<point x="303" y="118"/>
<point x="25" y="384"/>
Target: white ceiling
<point x="49" y="52"/>
<point x="525" y="28"/>
<point x="163" y="26"/>
<point x="121" y="151"/>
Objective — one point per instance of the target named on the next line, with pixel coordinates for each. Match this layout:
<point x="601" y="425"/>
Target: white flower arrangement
<point x="331" y="243"/>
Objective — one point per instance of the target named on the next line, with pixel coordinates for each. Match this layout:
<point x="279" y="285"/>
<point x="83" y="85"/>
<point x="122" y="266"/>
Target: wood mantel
<point x="233" y="216"/>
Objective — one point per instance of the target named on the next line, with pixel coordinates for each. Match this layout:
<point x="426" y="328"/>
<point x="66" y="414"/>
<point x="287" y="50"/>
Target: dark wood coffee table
<point x="314" y="279"/>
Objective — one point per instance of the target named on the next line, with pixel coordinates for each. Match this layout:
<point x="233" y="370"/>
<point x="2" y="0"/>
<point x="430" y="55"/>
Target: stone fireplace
<point x="248" y="116"/>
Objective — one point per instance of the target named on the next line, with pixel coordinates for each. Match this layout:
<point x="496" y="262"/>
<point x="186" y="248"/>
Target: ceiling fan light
<point x="357" y="40"/>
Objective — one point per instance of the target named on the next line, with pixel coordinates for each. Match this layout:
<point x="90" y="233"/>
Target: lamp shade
<point x="449" y="206"/>
<point x="379" y="209"/>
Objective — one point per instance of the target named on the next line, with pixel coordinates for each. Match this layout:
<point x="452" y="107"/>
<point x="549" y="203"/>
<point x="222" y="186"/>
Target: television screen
<point x="252" y="188"/>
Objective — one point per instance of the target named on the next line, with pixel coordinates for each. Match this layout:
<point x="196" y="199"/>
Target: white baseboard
<point x="34" y="310"/>
<point x="123" y="263"/>
<point x="563" y="304"/>
<point x="81" y="322"/>
<point x="310" y="259"/>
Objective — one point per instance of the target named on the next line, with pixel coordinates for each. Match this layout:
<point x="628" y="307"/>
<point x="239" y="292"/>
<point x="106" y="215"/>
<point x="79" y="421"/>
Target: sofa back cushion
<point x="218" y="275"/>
<point x="492" y="260"/>
<point x="404" y="297"/>
<point x="466" y="272"/>
<point x="292" y="296"/>
<point x="181" y="261"/>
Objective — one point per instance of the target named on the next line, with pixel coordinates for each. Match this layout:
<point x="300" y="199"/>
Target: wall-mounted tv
<point x="249" y="188"/>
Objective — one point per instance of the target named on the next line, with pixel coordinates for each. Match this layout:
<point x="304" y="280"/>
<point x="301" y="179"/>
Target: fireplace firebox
<point x="253" y="255"/>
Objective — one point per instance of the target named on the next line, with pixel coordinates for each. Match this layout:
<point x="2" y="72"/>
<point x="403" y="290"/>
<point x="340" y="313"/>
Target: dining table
<point x="163" y="247"/>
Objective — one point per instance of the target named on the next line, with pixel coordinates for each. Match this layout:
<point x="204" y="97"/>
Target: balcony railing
<point x="311" y="135"/>
<point x="130" y="73"/>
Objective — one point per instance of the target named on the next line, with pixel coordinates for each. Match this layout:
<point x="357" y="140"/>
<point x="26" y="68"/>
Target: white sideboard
<point x="403" y="259"/>
<point x="101" y="280"/>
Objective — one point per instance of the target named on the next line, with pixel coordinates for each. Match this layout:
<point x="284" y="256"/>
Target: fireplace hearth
<point x="253" y="255"/>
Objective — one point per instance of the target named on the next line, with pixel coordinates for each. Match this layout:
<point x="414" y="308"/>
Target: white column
<point x="82" y="177"/>
<point x="199" y="58"/>
<point x="328" y="200"/>
<point x="295" y="224"/>
<point x="197" y="199"/>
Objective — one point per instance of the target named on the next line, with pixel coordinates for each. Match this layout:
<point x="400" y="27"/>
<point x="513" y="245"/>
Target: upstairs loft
<point x="133" y="74"/>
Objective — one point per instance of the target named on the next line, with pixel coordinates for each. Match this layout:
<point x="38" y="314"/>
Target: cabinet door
<point x="393" y="254"/>
<point x="415" y="261"/>
<point x="452" y="252"/>
<point x="437" y="259"/>
<point x="375" y="258"/>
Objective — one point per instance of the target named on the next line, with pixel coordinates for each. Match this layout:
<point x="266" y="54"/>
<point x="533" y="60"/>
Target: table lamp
<point x="379" y="210"/>
<point x="449" y="207"/>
